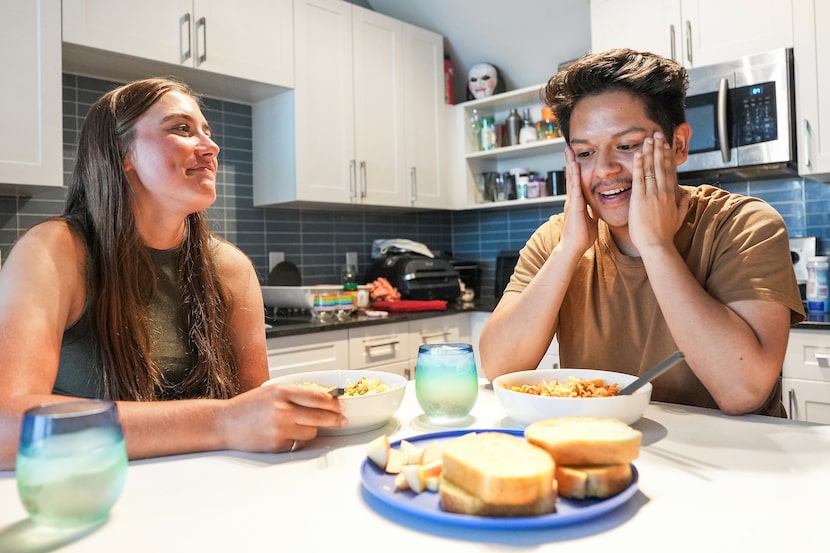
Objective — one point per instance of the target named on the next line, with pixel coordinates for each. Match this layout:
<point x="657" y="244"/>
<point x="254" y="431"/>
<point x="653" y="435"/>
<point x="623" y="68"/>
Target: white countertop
<point x="707" y="482"/>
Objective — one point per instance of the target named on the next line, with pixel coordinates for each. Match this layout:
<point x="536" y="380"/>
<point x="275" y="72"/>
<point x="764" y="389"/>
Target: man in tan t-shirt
<point x="638" y="266"/>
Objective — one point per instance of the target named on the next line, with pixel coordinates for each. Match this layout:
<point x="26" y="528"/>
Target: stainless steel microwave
<point x="742" y="115"/>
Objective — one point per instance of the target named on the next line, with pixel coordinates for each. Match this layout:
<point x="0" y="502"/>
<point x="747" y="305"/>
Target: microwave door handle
<point x="723" y="131"/>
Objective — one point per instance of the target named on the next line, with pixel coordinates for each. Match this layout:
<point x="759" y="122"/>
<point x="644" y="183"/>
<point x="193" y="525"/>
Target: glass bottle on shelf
<point x="528" y="131"/>
<point x="488" y="134"/>
<point x="475" y="129"/>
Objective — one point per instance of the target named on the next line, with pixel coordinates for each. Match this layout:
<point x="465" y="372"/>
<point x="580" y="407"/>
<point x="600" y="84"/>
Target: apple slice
<point x="433" y="483"/>
<point x="432" y="452"/>
<point x="395" y="461"/>
<point x="413" y="452"/>
<point x="431" y="469"/>
<point x="378" y="451"/>
<point x="400" y="482"/>
<point x="414" y="477"/>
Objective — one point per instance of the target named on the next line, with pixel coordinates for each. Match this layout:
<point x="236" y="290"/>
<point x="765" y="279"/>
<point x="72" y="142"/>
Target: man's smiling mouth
<point x="615" y="192"/>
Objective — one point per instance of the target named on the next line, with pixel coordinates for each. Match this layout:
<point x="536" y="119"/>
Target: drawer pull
<point x="426" y="337"/>
<point x="793" y="405"/>
<point x="388" y="343"/>
<point x="823" y="360"/>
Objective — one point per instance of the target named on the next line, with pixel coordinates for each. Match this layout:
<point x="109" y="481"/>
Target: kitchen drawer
<point x="807" y="400"/>
<point x="402" y="368"/>
<point x="371" y="346"/>
<point x="316" y="351"/>
<point x="451" y="328"/>
<point x="808" y="356"/>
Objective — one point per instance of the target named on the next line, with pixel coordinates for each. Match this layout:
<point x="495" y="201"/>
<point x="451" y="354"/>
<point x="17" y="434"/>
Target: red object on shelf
<point x="449" y="95"/>
<point x="411" y="305"/>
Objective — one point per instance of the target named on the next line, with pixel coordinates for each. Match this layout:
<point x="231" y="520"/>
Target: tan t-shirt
<point x="737" y="247"/>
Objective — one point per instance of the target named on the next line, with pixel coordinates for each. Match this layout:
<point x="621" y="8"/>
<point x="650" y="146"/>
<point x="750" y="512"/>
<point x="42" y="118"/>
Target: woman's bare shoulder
<point x="52" y="238"/>
<point x="232" y="261"/>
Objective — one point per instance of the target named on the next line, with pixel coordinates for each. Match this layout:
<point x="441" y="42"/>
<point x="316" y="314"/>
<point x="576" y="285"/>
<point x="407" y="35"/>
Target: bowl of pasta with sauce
<point x="370" y="398"/>
<point x="530" y="396"/>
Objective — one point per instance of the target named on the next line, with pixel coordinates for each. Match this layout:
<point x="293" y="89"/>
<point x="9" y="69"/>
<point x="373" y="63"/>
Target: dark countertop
<point x="815" y="321"/>
<point x="293" y="325"/>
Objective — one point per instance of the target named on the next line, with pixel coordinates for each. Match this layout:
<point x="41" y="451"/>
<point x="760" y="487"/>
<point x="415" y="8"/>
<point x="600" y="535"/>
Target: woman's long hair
<point x="121" y="273"/>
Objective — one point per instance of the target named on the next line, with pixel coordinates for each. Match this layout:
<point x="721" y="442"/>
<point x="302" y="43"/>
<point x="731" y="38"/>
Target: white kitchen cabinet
<point x="434" y="330"/>
<point x="31" y="142"/>
<point x="424" y="115"/>
<point x="246" y="39"/>
<point x="693" y="32"/>
<point x="811" y="30"/>
<point x="806" y="376"/>
<point x="316" y="351"/>
<point x="340" y="136"/>
<point x="539" y="157"/>
<point x="376" y="346"/>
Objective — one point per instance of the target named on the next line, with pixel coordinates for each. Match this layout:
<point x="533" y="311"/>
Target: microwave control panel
<point x="754" y="113"/>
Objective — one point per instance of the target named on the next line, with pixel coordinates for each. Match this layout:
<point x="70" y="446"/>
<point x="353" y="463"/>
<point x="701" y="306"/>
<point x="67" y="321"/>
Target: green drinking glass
<point x="446" y="381"/>
<point x="71" y="462"/>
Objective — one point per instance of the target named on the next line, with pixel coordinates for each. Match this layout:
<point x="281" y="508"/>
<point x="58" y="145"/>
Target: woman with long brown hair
<point x="128" y="295"/>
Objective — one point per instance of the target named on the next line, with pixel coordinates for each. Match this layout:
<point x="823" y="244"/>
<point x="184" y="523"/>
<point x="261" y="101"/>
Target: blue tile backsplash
<point x="316" y="239"/>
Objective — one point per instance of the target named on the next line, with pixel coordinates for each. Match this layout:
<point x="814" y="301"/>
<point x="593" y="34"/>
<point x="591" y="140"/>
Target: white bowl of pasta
<point x="371" y="398"/>
<point x="571" y="392"/>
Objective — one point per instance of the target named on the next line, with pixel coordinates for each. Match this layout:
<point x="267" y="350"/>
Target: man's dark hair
<point x="660" y="82"/>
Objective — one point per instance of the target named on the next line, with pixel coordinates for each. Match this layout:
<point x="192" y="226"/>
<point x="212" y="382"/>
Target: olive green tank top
<point x="79" y="371"/>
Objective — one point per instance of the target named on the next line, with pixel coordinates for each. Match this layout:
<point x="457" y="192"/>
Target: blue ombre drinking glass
<point x="446" y="381"/>
<point x="71" y="462"/>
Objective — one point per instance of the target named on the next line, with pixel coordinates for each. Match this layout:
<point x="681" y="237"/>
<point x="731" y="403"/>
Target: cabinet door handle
<point x="689" y="41"/>
<point x="672" y="38"/>
<point x="203" y="24"/>
<point x="805" y="134"/>
<point x="823" y="360"/>
<point x="425" y="337"/>
<point x="363" y="191"/>
<point x="390" y="342"/>
<point x="793" y="405"/>
<point x="189" y="52"/>
<point x="352" y="179"/>
<point x="413" y="179"/>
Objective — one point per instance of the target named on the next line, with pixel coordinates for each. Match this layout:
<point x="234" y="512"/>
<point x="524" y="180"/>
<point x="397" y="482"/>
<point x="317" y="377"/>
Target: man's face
<point x="482" y="80"/>
<point x="606" y="131"/>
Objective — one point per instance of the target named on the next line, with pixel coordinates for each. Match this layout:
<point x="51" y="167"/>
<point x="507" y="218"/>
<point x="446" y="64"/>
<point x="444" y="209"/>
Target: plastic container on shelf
<point x="548" y="126"/>
<point x="818" y="293"/>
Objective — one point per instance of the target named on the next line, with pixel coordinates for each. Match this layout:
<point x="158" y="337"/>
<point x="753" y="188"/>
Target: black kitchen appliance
<point x="505" y="263"/>
<point x="418" y="277"/>
<point x="470" y="274"/>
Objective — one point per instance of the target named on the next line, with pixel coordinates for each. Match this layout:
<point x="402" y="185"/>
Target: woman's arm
<point x="43" y="290"/>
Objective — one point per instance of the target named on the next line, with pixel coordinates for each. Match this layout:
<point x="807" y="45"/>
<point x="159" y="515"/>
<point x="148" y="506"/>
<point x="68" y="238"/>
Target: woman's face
<point x="172" y="161"/>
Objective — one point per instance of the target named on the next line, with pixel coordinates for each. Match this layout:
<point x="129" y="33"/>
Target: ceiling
<point x="525" y="39"/>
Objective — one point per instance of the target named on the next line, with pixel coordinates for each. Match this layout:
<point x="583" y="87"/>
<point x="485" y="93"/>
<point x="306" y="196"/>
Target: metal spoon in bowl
<point x="652" y="373"/>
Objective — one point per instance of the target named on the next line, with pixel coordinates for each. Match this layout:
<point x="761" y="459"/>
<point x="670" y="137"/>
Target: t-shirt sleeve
<point x="751" y="258"/>
<point x="535" y="252"/>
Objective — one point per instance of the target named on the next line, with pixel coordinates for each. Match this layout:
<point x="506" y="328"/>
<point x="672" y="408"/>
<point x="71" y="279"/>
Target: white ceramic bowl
<point x="365" y="413"/>
<point x="526" y="408"/>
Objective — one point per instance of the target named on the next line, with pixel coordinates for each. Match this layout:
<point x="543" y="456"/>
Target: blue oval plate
<point x="427" y="505"/>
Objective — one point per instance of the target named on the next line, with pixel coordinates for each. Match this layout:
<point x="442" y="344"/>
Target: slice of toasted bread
<point x="593" y="481"/>
<point x="578" y="441"/>
<point x="498" y="468"/>
<point x="455" y="500"/>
